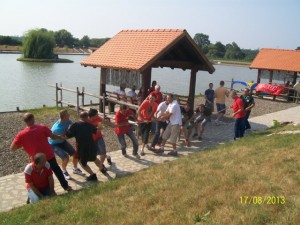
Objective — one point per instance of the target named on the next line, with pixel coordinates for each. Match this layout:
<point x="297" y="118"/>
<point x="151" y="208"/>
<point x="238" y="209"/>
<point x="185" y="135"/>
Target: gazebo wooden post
<point x="271" y="77"/>
<point x="146" y="81"/>
<point x="258" y="76"/>
<point x="192" y="87"/>
<point x="102" y="88"/>
<point x="295" y="78"/>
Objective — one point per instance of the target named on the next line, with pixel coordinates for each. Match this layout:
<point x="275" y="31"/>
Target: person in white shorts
<point x="173" y="114"/>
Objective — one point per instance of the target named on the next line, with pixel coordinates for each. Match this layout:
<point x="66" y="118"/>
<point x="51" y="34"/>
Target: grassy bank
<point x="254" y="180"/>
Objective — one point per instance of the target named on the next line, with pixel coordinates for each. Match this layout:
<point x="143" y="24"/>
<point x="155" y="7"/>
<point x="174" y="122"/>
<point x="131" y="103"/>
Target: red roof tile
<point x="277" y="59"/>
<point x="134" y="49"/>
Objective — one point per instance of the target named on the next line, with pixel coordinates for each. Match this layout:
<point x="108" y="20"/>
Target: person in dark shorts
<point x="87" y="149"/>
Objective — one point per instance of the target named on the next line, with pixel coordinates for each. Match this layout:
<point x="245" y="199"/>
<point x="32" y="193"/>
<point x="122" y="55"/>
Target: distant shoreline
<point x="58" y="53"/>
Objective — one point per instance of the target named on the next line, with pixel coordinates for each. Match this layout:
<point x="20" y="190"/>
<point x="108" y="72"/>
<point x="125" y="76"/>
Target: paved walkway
<point x="12" y="187"/>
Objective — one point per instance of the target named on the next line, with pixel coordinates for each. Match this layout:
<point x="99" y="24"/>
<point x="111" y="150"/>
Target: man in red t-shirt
<point x="123" y="127"/>
<point x="38" y="178"/>
<point x="239" y="115"/>
<point x="145" y="115"/>
<point x="158" y="94"/>
<point x="34" y="139"/>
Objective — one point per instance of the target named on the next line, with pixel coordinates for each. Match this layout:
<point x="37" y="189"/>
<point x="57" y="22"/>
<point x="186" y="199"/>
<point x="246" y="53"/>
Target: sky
<point x="252" y="24"/>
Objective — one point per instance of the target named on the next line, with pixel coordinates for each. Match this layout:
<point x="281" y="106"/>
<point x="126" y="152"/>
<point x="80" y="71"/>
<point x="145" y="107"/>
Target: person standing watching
<point x="249" y="103"/>
<point x="209" y="96"/>
<point x="34" y="139"/>
<point x="220" y="94"/>
<point x="239" y="115"/>
<point x="39" y="178"/>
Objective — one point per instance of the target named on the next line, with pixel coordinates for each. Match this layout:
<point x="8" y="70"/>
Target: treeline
<point x="218" y="50"/>
<point x="62" y="38"/>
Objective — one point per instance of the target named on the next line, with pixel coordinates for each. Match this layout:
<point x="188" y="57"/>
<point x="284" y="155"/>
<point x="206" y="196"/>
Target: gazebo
<point x="130" y="55"/>
<point x="277" y="64"/>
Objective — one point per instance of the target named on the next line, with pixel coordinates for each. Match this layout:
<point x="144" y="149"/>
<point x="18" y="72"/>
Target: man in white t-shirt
<point x="173" y="114"/>
<point x="133" y="95"/>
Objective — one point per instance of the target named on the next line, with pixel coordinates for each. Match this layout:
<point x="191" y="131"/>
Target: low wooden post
<point x="78" y="93"/>
<point x="82" y="96"/>
<point x="231" y="86"/>
<point x="61" y="96"/>
<point x="56" y="94"/>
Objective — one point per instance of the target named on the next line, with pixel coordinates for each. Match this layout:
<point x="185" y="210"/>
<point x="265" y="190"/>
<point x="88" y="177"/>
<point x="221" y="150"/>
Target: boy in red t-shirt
<point x="39" y="178"/>
<point x="96" y="120"/>
<point x="123" y="127"/>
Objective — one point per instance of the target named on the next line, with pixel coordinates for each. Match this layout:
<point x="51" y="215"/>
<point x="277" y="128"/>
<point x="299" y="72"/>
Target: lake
<point x="25" y="85"/>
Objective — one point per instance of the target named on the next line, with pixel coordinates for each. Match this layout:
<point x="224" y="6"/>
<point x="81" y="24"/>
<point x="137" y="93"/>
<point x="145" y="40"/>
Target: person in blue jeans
<point x="62" y="148"/>
<point x="123" y="127"/>
<point x="159" y="124"/>
<point x="39" y="178"/>
<point x="249" y="103"/>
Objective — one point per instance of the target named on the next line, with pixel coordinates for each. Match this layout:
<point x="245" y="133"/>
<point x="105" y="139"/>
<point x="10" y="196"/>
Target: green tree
<point x="7" y="40"/>
<point x="38" y="44"/>
<point x="85" y="41"/>
<point x="298" y="48"/>
<point x="97" y="42"/>
<point x="233" y="51"/>
<point x="216" y="51"/>
<point x="202" y="40"/>
<point x="63" y="37"/>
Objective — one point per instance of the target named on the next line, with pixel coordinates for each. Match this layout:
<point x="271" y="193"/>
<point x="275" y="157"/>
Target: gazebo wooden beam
<point x="178" y="64"/>
<point x="146" y="81"/>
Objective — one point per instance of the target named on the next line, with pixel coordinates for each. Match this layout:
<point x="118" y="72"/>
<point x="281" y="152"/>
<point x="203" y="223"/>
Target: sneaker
<point x="173" y="153"/>
<point x="69" y="189"/>
<point x="148" y="147"/>
<point x="195" y="135"/>
<point x="92" y="177"/>
<point x="67" y="175"/>
<point x="108" y="158"/>
<point x="137" y="156"/>
<point x="103" y="170"/>
<point x="78" y="171"/>
<point x="142" y="152"/>
<point x="159" y="151"/>
<point x="124" y="154"/>
<point x="199" y="138"/>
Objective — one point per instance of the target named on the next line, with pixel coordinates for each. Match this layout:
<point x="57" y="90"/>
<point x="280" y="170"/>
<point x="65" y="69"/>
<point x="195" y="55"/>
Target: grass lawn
<point x="254" y="180"/>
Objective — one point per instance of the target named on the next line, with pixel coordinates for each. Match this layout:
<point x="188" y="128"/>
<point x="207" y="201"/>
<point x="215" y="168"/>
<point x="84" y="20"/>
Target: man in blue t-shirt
<point x="62" y="148"/>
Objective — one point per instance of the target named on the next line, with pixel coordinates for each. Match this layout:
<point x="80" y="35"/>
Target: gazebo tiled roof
<point x="139" y="49"/>
<point x="277" y="59"/>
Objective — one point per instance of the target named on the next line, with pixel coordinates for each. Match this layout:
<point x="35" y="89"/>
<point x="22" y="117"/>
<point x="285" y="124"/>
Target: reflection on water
<point x="25" y="84"/>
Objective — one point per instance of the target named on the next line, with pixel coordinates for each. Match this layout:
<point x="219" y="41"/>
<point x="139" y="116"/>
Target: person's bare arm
<point x="14" y="147"/>
<point x="35" y="190"/>
<point x="51" y="185"/>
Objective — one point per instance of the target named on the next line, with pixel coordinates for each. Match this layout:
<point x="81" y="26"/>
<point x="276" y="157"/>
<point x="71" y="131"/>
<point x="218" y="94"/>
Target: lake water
<point x="25" y="85"/>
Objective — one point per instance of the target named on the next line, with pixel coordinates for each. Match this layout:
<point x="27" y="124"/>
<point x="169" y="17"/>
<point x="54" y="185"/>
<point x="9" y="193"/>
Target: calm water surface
<point x="25" y="84"/>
